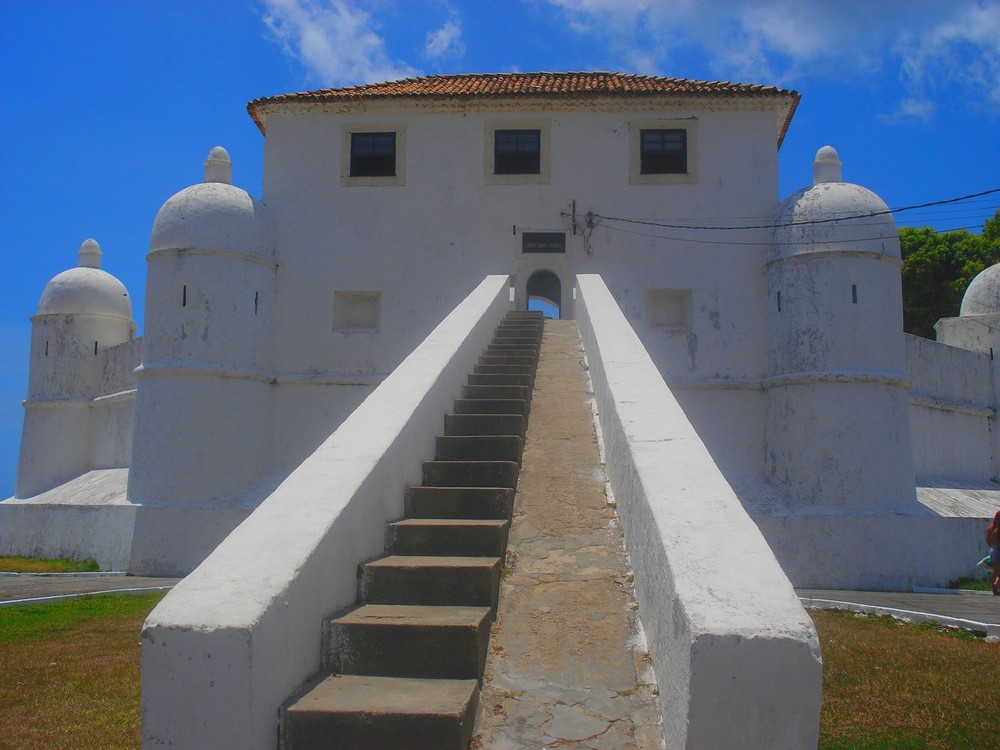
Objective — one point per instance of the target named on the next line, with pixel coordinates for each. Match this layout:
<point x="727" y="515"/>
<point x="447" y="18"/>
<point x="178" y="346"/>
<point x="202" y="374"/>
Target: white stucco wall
<point x="977" y="333"/>
<point x="422" y="242"/>
<point x="953" y="410"/>
<point x="736" y="657"/>
<point x="236" y="637"/>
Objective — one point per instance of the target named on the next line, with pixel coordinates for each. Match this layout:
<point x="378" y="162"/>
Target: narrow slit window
<point x="517" y="152"/>
<point x="256" y="302"/>
<point x="184" y="296"/>
<point x="854" y="293"/>
<point x="373" y="154"/>
<point x="46" y="348"/>
<point x="778" y="298"/>
<point x="95" y="347"/>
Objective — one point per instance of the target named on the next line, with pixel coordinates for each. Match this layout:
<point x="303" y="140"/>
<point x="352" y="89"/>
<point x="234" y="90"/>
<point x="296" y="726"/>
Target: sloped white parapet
<point x="735" y="654"/>
<point x="237" y="636"/>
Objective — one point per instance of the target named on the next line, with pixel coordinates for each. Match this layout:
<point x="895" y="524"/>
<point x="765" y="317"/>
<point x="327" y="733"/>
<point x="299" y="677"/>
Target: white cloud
<point x="933" y="44"/>
<point x="446" y="41"/>
<point x="337" y="41"/>
<point x="963" y="51"/>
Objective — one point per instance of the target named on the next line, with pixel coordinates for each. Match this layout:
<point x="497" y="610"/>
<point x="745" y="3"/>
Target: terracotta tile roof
<point x="526" y="86"/>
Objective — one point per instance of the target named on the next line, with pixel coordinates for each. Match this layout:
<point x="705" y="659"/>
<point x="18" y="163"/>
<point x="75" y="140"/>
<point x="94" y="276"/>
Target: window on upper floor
<point x="517" y="151"/>
<point x="663" y="152"/>
<point x="373" y="154"/>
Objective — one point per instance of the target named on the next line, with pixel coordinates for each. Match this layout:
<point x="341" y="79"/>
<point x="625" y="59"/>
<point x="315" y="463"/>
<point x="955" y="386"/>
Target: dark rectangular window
<point x="373" y="154"/>
<point x="517" y="152"/>
<point x="663" y="151"/>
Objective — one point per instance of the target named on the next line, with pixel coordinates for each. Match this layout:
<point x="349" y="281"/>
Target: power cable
<point x="772" y="225"/>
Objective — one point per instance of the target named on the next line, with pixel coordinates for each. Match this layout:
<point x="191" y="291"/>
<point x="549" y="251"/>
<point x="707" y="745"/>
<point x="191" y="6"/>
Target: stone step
<point x="362" y="712"/>
<point x="515" y="347"/>
<point x="517" y="332"/>
<point x="491" y="406"/>
<point x="431" y="580"/>
<point x="503" y="359"/>
<point x="528" y="370"/>
<point x="478" y="448"/>
<point x="448" y="536"/>
<point x="459" y="502"/>
<point x="443" y="643"/>
<point x="525" y="326"/>
<point x="500" y="379"/>
<point x="470" y="474"/>
<point x="484" y="424"/>
<point x="520" y="392"/>
<point x="522" y="338"/>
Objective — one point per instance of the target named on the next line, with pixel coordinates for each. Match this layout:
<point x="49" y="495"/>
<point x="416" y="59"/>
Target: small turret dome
<point x="833" y="215"/>
<point x="983" y="295"/>
<point x="86" y="289"/>
<point x="213" y="215"/>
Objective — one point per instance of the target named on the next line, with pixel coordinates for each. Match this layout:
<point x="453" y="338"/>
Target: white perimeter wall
<point x="953" y="411"/>
<point x="735" y="654"/>
<point x="235" y="638"/>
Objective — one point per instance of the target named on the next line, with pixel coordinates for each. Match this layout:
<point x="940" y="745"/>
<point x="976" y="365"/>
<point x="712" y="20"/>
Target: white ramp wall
<point x="735" y="654"/>
<point x="236" y="637"/>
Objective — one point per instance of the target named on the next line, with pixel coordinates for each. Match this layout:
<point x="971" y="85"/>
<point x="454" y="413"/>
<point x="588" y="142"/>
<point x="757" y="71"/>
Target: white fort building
<point x="765" y="420"/>
<point x="866" y="456"/>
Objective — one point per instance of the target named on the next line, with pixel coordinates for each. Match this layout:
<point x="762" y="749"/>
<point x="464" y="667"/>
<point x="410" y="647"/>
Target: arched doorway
<point x="544" y="292"/>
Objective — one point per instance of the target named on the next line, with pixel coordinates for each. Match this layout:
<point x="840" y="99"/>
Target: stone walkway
<point x="567" y="667"/>
<point x="28" y="587"/>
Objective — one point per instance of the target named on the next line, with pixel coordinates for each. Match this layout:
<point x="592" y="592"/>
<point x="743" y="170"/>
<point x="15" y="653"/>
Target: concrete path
<point x="29" y="587"/>
<point x="566" y="667"/>
<point x="978" y="610"/>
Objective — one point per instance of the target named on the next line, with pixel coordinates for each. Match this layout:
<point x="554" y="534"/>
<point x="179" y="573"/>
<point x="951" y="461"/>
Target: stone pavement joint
<point x="567" y="666"/>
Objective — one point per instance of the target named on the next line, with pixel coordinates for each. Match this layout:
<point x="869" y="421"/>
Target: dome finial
<point x="90" y="254"/>
<point x="218" y="166"/>
<point x="827" y="166"/>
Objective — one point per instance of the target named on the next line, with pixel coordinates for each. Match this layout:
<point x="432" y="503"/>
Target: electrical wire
<point x="777" y="225"/>
<point x="730" y="243"/>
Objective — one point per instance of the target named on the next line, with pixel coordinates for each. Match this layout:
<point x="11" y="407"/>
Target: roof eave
<point x="256" y="108"/>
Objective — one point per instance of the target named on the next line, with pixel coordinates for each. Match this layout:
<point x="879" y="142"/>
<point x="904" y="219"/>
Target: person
<point x="993" y="540"/>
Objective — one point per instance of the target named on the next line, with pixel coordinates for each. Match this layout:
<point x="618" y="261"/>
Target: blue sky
<point x="110" y="107"/>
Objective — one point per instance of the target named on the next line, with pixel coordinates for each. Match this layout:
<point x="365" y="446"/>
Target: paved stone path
<point x="567" y="668"/>
<point x="977" y="607"/>
<point x="52" y="587"/>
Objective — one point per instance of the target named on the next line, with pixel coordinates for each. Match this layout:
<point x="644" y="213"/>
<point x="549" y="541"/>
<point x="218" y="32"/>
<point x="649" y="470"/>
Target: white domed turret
<point x="86" y="289"/>
<point x="836" y="349"/>
<point x="206" y="355"/>
<point x="983" y="295"/>
<point x="833" y="215"/>
<point x="82" y="312"/>
<point x="213" y="214"/>
<point x="977" y="327"/>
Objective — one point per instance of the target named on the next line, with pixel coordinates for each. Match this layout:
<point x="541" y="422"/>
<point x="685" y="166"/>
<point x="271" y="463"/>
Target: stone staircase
<point x="403" y="668"/>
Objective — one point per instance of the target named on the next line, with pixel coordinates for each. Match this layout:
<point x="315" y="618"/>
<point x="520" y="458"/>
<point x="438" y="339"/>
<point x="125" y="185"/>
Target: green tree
<point x="937" y="269"/>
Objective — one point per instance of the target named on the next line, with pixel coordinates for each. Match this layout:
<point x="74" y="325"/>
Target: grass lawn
<point x="889" y="685"/>
<point x="41" y="565"/>
<point x="69" y="680"/>
<point x="69" y="673"/>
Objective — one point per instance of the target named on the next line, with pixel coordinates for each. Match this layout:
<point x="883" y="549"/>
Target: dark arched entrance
<point x="544" y="292"/>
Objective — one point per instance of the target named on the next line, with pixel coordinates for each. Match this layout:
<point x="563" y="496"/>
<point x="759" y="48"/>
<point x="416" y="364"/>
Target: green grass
<point x="69" y="673"/>
<point x="42" y="565"/>
<point x="975" y="585"/>
<point x="889" y="685"/>
<point x="29" y="622"/>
